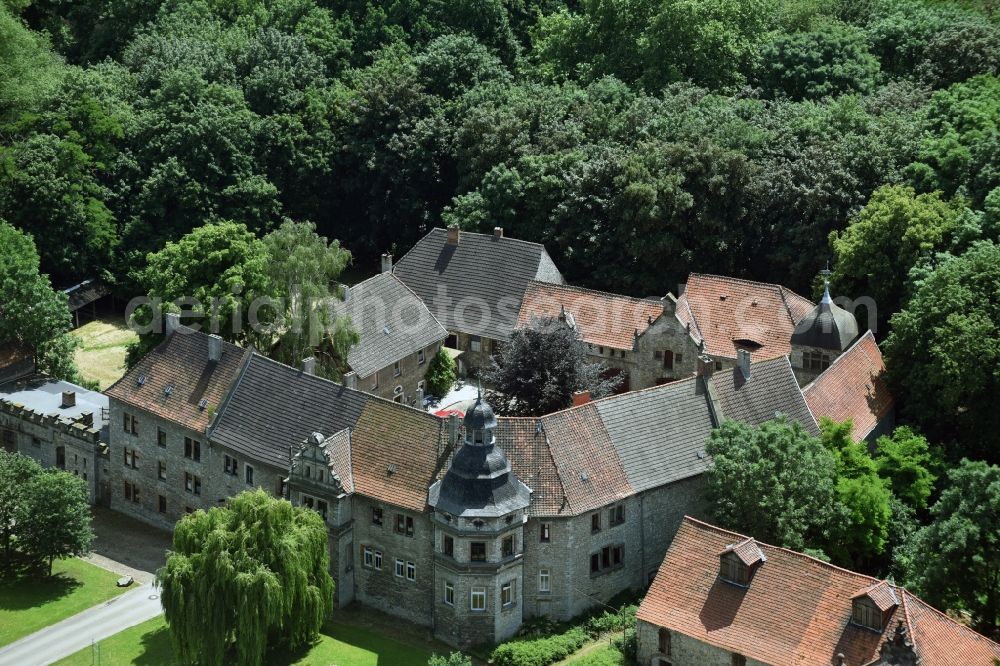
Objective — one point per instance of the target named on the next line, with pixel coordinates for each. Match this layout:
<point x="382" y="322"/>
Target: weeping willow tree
<point x="245" y="577"/>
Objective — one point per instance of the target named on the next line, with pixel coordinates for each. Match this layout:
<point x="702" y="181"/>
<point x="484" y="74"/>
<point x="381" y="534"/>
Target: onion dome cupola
<point x="479" y="482"/>
<point x="828" y="326"/>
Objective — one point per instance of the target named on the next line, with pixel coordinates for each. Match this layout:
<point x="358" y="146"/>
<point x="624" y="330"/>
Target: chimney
<point x="173" y="320"/>
<point x="497" y="232"/>
<point x="420" y="398"/>
<point x="453" y="234"/>
<point x="743" y="359"/>
<point x="309" y="365"/>
<point x="351" y="380"/>
<point x="386" y="263"/>
<point x="345" y="292"/>
<point x="87" y="419"/>
<point x="452" y="429"/>
<point x="581" y="398"/>
<point x="214" y="348"/>
<point x="706" y="366"/>
<point x="669" y="305"/>
<point x="68" y="399"/>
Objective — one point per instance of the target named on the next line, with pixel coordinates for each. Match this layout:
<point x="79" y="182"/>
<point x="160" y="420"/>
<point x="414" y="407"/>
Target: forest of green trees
<point x="639" y="140"/>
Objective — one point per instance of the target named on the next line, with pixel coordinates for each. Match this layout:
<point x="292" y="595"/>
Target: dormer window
<point x="871" y="607"/>
<point x="739" y="561"/>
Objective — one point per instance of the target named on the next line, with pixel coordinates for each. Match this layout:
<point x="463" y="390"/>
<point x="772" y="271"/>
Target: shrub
<point x="609" y="621"/>
<point x="453" y="659"/>
<point x="539" y="651"/>
<point x="441" y="373"/>
<point x="626" y="644"/>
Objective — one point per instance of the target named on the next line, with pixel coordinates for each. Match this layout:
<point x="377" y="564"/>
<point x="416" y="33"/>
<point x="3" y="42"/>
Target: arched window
<point x="664" y="641"/>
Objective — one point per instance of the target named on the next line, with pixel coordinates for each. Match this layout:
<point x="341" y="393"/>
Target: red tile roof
<point x="747" y="550"/>
<point x="609" y="320"/>
<point x="853" y="387"/>
<point x="726" y="311"/>
<point x="796" y="610"/>
<point x="882" y="595"/>
<point x="181" y="363"/>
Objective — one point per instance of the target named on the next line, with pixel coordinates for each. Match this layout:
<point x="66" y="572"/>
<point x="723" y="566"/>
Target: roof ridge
<point x="904" y="592"/>
<point x="867" y="334"/>
<point x="572" y="287"/>
<point x="728" y="278"/>
<point x="700" y="524"/>
<point x="244" y="364"/>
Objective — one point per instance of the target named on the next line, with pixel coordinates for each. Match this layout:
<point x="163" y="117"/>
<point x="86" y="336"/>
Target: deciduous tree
<point x="246" y="577"/>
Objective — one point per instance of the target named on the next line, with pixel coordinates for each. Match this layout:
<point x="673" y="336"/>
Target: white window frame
<point x="399" y="568"/>
<point x="475" y="343"/>
<point x="411" y="571"/>
<point x="449" y="593"/>
<point x="477" y="593"/>
<point x="378" y="560"/>
<point x="544" y="581"/>
<point x="507" y="589"/>
<point x="368" y="559"/>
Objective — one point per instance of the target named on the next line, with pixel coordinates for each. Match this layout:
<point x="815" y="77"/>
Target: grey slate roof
<point x="483" y="279"/>
<point x="827" y="326"/>
<point x="772" y="388"/>
<point x="273" y="407"/>
<point x="659" y="432"/>
<point x="44" y="395"/>
<point x="391" y="321"/>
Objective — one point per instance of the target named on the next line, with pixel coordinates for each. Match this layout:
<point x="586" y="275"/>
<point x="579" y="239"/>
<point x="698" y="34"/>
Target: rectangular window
<point x="399" y="568"/>
<point x="192" y="483"/>
<point x="161" y="470"/>
<point x="368" y="557"/>
<point x="449" y="593"/>
<point x="508" y="546"/>
<point x="161" y="438"/>
<point x="404" y="525"/>
<point x="475" y="343"/>
<point x="248" y="472"/>
<point x="411" y="571"/>
<point x="507" y="594"/>
<point x="231" y="466"/>
<point x="162" y="502"/>
<point x="595" y="522"/>
<point x="477" y="551"/>
<point x="192" y="449"/>
<point x="448" y="546"/>
<point x="395" y="369"/>
<point x="606" y="557"/>
<point x="127" y="491"/>
<point x="543" y="580"/>
<point x="617" y="555"/>
<point x="322" y="508"/>
<point x="478" y="599"/>
<point x="378" y="560"/>
<point x="739" y="660"/>
<point x="130" y="424"/>
<point x="545" y="532"/>
<point x="420" y="356"/>
<point x="376" y="516"/>
<point x="616" y="514"/>
<point x="595" y="563"/>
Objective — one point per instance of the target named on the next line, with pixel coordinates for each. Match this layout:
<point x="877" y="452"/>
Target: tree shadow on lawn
<point x="32" y="591"/>
<point x="156" y="649"/>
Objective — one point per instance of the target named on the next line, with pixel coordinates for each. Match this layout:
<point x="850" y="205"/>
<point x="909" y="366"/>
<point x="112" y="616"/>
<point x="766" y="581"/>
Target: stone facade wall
<point x="411" y="376"/>
<point x="662" y="510"/>
<point x="457" y="622"/>
<point x="684" y="650"/>
<point x="382" y="589"/>
<point x="471" y="361"/>
<point x="40" y="436"/>
<point x="145" y="474"/>
<point x="803" y="375"/>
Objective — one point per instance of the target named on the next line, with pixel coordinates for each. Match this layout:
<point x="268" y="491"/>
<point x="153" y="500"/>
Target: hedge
<point x="539" y="651"/>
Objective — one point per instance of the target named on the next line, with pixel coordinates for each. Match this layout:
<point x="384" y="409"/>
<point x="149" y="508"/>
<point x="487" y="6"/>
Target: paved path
<point x="77" y="632"/>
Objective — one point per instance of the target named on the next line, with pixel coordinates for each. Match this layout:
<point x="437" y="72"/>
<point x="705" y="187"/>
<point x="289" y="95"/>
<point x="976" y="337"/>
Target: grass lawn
<point x="101" y="357"/>
<point x="28" y="605"/>
<point x="600" y="654"/>
<point x="148" y="644"/>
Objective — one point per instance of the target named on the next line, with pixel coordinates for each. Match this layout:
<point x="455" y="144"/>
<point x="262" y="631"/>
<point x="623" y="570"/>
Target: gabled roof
<point x="338" y="447"/>
<point x="796" y="610"/>
<point x="771" y="390"/>
<point x="853" y="387"/>
<point x="273" y="407"/>
<point x="728" y="313"/>
<point x="747" y="550"/>
<point x="181" y="364"/>
<point x="477" y="285"/>
<point x="882" y="594"/>
<point x="391" y="322"/>
<point x="605" y="319"/>
<point x="660" y="433"/>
